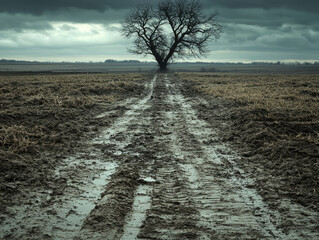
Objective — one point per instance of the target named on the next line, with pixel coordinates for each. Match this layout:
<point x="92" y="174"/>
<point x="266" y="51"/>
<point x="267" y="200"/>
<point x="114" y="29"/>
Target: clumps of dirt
<point x="274" y="123"/>
<point x="45" y="117"/>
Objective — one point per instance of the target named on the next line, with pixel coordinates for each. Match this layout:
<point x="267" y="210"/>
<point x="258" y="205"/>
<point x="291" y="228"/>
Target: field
<point x="152" y="67"/>
<point x="275" y="121"/>
<point x="46" y="116"/>
<point x="210" y="155"/>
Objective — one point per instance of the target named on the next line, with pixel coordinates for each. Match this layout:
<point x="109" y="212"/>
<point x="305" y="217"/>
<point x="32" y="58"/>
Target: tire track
<point x="203" y="194"/>
<point x="127" y="196"/>
<point x="81" y="179"/>
<point x="224" y="211"/>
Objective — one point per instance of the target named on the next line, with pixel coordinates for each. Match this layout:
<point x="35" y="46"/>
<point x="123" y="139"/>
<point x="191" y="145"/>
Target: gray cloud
<point x="305" y="5"/>
<point x="40" y="6"/>
<point x="20" y="22"/>
<point x="18" y="13"/>
<point x="253" y="29"/>
<point x="271" y="17"/>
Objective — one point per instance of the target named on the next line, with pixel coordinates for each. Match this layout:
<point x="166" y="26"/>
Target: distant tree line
<point x="8" y="61"/>
<point x="283" y="63"/>
<point x="16" y="61"/>
<point x="122" y="61"/>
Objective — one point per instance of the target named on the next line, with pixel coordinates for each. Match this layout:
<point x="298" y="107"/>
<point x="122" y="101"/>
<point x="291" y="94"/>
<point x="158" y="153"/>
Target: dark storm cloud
<point x="271" y="17"/>
<point x="41" y="6"/>
<point x="19" y="22"/>
<point x="258" y="12"/>
<point x="35" y="14"/>
<point x="305" y="5"/>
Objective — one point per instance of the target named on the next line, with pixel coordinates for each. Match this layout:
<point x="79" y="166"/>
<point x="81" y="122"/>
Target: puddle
<point x="192" y="175"/>
<point x="106" y="114"/>
<point x="148" y="180"/>
<point x="77" y="205"/>
<point x="142" y="202"/>
<point x="64" y="218"/>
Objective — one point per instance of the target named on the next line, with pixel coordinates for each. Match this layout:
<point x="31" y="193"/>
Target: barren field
<point x="274" y="119"/>
<point x="162" y="156"/>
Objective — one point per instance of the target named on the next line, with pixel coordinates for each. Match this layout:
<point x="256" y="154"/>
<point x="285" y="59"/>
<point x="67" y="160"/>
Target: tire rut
<point x="81" y="181"/>
<point x="187" y="183"/>
<point x="202" y="193"/>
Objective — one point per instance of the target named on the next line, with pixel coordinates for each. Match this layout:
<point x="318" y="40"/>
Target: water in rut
<point x="159" y="172"/>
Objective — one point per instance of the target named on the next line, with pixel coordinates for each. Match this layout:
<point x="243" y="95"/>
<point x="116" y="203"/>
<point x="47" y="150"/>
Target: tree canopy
<point x="175" y="29"/>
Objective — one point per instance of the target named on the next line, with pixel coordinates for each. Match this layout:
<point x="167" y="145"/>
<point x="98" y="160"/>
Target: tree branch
<point x="177" y="28"/>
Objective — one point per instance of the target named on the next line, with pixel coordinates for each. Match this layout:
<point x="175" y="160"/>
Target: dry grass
<point x="269" y="92"/>
<point x="57" y="89"/>
<point x="30" y="103"/>
<point x="18" y="139"/>
<point x="288" y="98"/>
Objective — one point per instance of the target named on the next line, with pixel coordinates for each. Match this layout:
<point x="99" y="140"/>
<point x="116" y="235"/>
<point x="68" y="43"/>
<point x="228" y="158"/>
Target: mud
<point x="272" y="123"/>
<point x="159" y="170"/>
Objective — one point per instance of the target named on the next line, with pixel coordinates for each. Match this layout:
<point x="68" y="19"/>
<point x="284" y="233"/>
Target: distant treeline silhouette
<point x="109" y="61"/>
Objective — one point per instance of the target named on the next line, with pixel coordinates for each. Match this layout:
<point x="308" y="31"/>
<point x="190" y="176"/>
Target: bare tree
<point x="175" y="29"/>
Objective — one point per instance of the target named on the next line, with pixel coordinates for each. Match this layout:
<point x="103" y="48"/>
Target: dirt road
<point x="158" y="172"/>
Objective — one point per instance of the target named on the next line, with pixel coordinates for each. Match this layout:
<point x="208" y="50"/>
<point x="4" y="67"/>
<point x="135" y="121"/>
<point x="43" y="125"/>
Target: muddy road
<point x="158" y="172"/>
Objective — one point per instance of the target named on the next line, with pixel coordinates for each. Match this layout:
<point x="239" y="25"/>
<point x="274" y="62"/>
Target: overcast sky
<point x="88" y="30"/>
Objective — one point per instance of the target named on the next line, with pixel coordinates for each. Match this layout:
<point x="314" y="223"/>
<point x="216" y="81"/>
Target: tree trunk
<point x="163" y="67"/>
<point x="162" y="64"/>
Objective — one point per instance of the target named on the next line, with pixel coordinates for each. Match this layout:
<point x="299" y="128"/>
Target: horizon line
<point x="108" y="61"/>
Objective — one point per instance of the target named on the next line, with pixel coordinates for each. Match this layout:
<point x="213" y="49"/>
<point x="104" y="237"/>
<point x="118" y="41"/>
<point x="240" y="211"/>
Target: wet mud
<point x="158" y="171"/>
<point x="272" y="120"/>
